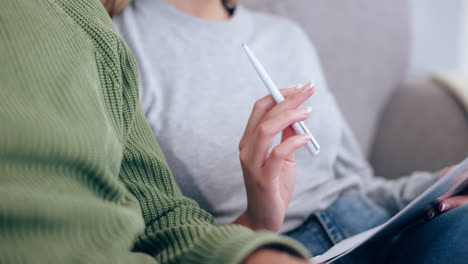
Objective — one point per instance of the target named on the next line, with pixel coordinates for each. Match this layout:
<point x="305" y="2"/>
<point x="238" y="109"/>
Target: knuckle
<point x="241" y="145"/>
<point x="277" y="153"/>
<point x="264" y="130"/>
<point x="259" y="104"/>
<point x="244" y="157"/>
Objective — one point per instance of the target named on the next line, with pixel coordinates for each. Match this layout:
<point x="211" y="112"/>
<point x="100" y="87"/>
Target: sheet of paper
<point x="346" y="245"/>
<point x="452" y="183"/>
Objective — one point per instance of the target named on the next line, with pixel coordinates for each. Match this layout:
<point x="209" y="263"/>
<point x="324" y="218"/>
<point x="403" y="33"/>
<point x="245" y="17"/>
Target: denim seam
<point x="334" y="233"/>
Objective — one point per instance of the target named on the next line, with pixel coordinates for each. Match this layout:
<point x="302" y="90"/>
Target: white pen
<point x="300" y="128"/>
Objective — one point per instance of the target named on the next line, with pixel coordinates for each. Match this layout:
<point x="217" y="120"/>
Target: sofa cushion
<point x="438" y="126"/>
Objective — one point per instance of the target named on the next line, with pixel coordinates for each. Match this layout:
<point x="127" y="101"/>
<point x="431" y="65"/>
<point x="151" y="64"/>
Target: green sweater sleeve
<point x="177" y="230"/>
<point x="81" y="178"/>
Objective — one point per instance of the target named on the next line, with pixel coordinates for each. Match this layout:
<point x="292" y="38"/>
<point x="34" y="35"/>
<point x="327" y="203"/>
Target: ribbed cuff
<point x="233" y="243"/>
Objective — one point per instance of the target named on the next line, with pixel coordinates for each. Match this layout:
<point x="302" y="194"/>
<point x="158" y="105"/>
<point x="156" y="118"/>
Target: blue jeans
<point x="444" y="237"/>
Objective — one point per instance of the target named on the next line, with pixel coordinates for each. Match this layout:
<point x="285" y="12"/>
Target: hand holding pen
<point x="270" y="177"/>
<point x="300" y="127"/>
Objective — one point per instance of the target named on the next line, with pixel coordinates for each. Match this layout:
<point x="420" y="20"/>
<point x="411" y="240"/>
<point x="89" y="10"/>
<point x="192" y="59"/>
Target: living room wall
<point x="440" y="36"/>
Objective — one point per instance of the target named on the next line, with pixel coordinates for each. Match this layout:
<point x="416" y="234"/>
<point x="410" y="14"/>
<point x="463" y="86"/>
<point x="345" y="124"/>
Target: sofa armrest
<point x="422" y="128"/>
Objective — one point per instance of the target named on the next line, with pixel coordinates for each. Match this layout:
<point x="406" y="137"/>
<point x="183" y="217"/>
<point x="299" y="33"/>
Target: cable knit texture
<point x="82" y="179"/>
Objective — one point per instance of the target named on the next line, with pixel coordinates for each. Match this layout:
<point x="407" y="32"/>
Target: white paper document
<point x="451" y="184"/>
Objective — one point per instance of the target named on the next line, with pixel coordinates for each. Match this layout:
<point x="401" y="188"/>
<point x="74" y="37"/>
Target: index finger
<point x="260" y="109"/>
<point x="293" y="101"/>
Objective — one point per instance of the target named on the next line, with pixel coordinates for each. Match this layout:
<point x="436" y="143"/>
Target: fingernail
<point x="297" y="86"/>
<point x="313" y="83"/>
<point x="431" y="215"/>
<point x="306" y="110"/>
<point x="444" y="207"/>
<point x="307" y="87"/>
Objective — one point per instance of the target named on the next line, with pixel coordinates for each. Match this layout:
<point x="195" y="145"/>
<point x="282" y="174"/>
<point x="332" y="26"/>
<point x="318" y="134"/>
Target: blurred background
<point x="440" y="36"/>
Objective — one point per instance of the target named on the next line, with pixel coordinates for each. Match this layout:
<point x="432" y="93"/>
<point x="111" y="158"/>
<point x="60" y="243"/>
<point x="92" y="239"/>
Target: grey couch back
<point x="363" y="45"/>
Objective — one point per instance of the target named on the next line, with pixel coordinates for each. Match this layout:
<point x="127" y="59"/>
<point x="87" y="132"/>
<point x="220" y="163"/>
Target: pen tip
<point x="243" y="44"/>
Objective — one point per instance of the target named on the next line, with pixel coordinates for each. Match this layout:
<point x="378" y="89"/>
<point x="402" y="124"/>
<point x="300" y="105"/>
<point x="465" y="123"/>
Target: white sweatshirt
<point x="198" y="89"/>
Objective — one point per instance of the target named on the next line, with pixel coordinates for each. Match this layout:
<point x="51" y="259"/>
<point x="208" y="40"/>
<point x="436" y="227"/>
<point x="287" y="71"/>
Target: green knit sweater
<point x="82" y="179"/>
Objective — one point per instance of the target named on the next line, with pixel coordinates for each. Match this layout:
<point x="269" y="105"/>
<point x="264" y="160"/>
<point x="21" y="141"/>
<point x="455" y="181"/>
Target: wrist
<point x="253" y="223"/>
<point x="244" y="220"/>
